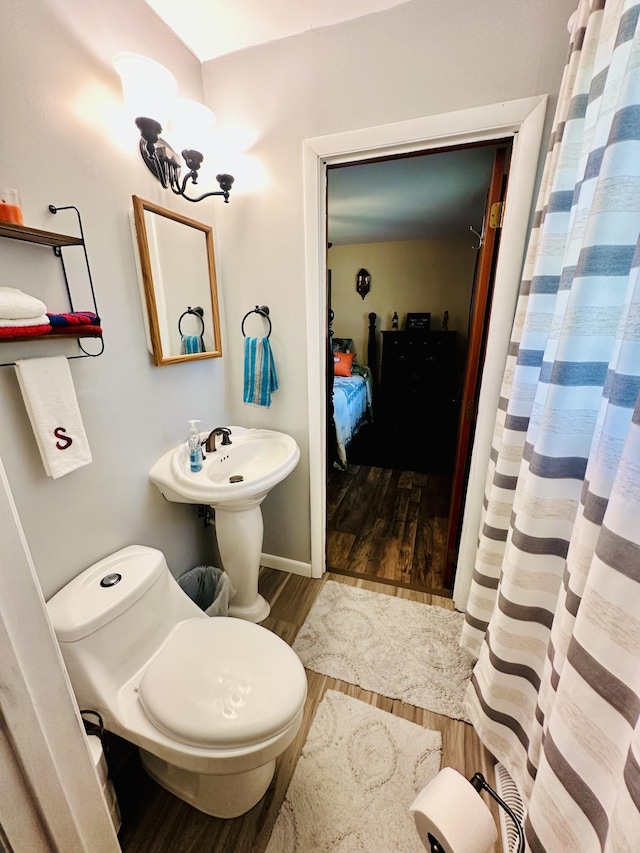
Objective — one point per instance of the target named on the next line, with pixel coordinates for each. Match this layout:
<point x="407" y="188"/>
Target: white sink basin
<point x="256" y="460"/>
<point x="261" y="457"/>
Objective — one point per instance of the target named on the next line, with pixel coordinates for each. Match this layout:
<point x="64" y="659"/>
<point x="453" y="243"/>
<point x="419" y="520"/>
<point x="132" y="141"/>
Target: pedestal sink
<point x="234" y="480"/>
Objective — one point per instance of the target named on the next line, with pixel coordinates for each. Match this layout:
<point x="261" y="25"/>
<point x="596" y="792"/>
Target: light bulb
<point x="149" y="89"/>
<point x="192" y="126"/>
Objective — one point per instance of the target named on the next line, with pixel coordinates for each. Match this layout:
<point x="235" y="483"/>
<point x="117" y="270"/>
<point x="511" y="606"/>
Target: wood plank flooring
<point x="154" y="821"/>
<point x="389" y="525"/>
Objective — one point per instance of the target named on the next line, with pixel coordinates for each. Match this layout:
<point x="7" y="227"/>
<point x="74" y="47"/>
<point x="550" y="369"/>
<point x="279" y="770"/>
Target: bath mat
<point x="359" y="771"/>
<point x="397" y="648"/>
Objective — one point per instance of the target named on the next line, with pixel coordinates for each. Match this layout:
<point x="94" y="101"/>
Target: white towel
<point x="50" y="400"/>
<point x="40" y="320"/>
<point x="17" y="305"/>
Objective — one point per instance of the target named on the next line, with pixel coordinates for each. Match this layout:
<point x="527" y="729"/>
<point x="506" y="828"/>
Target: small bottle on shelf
<point x="10" y="208"/>
<point x="394" y="321"/>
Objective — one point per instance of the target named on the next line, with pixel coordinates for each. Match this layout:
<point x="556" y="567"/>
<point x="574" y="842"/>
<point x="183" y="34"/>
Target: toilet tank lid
<point x="103" y="591"/>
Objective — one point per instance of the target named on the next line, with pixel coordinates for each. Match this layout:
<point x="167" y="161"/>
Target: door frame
<point x="523" y="119"/>
<point x="479" y="314"/>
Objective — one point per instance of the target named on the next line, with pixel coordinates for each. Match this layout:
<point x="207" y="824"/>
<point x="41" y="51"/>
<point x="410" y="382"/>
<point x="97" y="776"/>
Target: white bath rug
<point x="397" y="648"/>
<point x="359" y="771"/>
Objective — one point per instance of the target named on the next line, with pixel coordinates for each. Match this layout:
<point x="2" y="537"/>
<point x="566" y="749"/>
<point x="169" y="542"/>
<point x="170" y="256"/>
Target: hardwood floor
<point x="389" y="525"/>
<point x="154" y="821"/>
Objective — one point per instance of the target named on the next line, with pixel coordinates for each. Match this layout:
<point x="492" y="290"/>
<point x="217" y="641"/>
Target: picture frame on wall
<point x="418" y="322"/>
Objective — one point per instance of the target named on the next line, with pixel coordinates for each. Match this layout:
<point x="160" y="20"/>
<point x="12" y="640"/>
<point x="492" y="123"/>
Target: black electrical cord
<point x="96" y="729"/>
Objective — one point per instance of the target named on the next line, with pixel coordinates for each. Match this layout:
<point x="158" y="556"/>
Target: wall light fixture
<point x="150" y="94"/>
<point x="363" y="282"/>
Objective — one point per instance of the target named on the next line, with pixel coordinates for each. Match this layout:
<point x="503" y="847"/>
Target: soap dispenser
<point x="195" y="448"/>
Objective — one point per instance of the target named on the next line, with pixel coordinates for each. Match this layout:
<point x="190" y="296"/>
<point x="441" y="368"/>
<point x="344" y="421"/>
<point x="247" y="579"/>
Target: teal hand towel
<point x="260" y="377"/>
<point x="191" y="344"/>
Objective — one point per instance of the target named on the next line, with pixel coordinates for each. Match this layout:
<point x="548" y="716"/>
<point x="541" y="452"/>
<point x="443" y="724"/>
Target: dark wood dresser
<point x="418" y="393"/>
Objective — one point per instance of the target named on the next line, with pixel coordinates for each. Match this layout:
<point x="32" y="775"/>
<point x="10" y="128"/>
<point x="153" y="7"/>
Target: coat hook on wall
<point x="479" y="236"/>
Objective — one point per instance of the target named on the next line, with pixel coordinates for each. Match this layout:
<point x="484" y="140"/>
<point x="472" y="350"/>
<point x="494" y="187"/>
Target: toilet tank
<point x="111" y="619"/>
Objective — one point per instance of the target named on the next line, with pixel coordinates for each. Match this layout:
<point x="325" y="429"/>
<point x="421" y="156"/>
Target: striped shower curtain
<point x="554" y="611"/>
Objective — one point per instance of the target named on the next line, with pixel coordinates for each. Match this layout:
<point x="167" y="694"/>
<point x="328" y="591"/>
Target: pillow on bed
<point x="342" y="362"/>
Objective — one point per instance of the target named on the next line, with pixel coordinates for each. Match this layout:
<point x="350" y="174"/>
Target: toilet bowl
<point x="210" y="702"/>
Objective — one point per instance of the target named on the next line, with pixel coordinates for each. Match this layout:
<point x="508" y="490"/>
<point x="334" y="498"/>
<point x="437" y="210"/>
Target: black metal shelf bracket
<point x="58" y="253"/>
<point x="57" y="242"/>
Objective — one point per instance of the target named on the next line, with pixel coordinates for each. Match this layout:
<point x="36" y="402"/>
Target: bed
<point x="350" y="393"/>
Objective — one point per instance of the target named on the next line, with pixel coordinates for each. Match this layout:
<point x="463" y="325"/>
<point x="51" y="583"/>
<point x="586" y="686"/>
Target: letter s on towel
<point x="59" y="433"/>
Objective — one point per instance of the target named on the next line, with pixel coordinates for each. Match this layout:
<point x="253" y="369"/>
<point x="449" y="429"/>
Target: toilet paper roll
<point x="453" y="812"/>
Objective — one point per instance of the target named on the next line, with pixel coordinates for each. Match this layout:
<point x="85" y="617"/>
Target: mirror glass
<point x="178" y="276"/>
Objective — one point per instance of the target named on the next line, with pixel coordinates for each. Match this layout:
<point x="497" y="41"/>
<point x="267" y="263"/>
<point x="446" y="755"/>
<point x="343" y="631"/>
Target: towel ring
<point x="198" y="312"/>
<point x="263" y="310"/>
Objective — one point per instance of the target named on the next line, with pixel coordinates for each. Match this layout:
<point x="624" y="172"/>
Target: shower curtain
<point x="554" y="610"/>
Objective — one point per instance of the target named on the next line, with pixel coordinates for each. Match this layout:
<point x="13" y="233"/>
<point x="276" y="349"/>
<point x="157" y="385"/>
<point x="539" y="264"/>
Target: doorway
<point x="420" y="224"/>
<point x="521" y="119"/>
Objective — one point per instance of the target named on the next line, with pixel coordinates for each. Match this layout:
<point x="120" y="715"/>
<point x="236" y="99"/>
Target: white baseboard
<point x="283" y="564"/>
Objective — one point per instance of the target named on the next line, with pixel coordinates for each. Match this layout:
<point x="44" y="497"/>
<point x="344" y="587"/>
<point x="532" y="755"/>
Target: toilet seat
<point x="223" y="683"/>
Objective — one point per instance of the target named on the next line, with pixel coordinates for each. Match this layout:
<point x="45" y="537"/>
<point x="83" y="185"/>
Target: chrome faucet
<point x="209" y="443"/>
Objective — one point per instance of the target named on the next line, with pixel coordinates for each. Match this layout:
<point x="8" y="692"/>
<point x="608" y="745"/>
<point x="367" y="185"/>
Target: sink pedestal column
<point x="239" y="534"/>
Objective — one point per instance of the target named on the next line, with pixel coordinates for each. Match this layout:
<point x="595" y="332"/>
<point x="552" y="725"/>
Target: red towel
<point x="8" y="332"/>
<point x="79" y="330"/>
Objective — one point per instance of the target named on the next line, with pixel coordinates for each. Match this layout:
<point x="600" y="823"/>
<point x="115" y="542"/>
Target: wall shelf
<point x="56" y="241"/>
<point x="33" y="235"/>
<point x="55" y="336"/>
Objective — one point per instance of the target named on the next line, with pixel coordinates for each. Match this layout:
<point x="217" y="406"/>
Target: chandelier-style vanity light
<point x="150" y="94"/>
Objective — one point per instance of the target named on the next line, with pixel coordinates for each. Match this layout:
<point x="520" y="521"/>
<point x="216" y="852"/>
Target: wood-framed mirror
<point x="178" y="279"/>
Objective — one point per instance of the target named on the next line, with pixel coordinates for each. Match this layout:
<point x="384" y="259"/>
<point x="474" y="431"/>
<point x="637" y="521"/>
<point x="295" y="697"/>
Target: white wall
<point x="61" y="143"/>
<point x="419" y="59"/>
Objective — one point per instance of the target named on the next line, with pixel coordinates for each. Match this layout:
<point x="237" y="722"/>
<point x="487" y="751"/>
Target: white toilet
<point x="210" y="702"/>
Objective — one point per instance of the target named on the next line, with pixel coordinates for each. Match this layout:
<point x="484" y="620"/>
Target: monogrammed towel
<point x="50" y="400"/>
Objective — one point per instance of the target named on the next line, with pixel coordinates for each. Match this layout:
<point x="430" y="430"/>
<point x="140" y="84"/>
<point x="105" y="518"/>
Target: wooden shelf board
<point x="76" y="333"/>
<point x="34" y="235"/>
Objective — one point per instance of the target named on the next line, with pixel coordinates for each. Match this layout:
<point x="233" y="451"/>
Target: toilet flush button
<point x="111" y="580"/>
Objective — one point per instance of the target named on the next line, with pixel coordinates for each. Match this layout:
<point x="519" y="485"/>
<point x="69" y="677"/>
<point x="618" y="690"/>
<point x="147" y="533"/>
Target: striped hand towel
<point x="74" y="318"/>
<point x="260" y="378"/>
<point x="191" y="344"/>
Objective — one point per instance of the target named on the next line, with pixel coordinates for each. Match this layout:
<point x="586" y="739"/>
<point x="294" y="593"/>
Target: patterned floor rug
<point x="359" y="771"/>
<point x="397" y="648"/>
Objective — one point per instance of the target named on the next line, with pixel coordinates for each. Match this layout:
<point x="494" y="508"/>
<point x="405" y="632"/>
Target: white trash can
<point x="209" y="587"/>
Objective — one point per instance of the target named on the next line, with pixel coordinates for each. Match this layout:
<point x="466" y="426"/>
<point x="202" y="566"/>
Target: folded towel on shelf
<point x="8" y="332"/>
<point x="52" y="406"/>
<point x="81" y="331"/>
<point x="17" y="305"/>
<point x="74" y="318"/>
<point x="191" y="344"/>
<point x="260" y="377"/>
<point x="40" y="320"/>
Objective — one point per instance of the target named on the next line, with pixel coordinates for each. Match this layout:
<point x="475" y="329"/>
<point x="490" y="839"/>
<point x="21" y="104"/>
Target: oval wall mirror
<point x="178" y="279"/>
